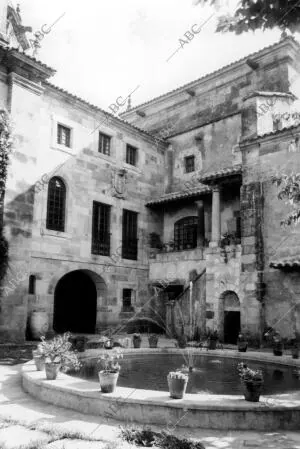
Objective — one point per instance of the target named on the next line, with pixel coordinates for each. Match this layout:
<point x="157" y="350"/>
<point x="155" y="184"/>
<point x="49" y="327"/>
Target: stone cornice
<point x="24" y="65"/>
<point x="14" y="78"/>
<point x="103" y="116"/>
<point x="289" y="42"/>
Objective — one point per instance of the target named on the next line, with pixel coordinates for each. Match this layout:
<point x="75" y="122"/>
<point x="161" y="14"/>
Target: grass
<point x="147" y="437"/>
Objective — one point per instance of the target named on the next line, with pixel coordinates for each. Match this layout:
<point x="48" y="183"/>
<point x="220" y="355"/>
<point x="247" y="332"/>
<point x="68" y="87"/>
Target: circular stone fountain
<point x="147" y="406"/>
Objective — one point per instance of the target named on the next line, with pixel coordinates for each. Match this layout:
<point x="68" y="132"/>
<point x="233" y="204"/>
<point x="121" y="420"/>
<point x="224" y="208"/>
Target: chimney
<point x="3" y="21"/>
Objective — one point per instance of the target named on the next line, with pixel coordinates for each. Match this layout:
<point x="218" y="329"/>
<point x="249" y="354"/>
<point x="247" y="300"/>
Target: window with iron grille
<point x="104" y="144"/>
<point x="129" y="235"/>
<point x="56" y="204"/>
<point x="127" y="295"/>
<point x="189" y="162"/>
<point x="131" y="155"/>
<point x="101" y="229"/>
<point x="185" y="233"/>
<point x="63" y="135"/>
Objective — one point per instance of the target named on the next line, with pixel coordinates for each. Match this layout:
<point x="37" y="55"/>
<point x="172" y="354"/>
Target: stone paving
<point x="31" y="424"/>
<point x="17" y="406"/>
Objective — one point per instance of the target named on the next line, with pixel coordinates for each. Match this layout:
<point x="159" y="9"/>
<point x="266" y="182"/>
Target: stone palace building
<point x="176" y="194"/>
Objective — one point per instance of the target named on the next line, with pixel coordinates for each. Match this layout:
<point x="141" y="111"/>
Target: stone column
<point x="201" y="225"/>
<point x="216" y="216"/>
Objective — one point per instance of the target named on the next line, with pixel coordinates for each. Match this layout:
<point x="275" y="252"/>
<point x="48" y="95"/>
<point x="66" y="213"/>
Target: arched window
<point x="56" y="204"/>
<point x="185" y="233"/>
<point x="31" y="286"/>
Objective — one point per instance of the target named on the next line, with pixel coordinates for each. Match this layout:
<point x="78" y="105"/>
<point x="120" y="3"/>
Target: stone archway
<point x="230" y="317"/>
<point x="76" y="299"/>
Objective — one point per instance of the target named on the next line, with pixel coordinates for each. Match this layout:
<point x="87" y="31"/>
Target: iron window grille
<point x="104" y="144"/>
<point x="129" y="235"/>
<point x="101" y="229"/>
<point x="131" y="155"/>
<point x="189" y="162"/>
<point x="185" y="233"/>
<point x="56" y="205"/>
<point x="63" y="135"/>
<point x="127" y="296"/>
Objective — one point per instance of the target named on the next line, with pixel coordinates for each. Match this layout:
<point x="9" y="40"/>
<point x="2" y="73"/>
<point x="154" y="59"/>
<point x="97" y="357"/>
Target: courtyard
<point x="27" y="422"/>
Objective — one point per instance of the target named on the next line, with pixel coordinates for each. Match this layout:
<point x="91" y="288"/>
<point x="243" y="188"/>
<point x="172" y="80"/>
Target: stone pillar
<point x="201" y="225"/>
<point x="216" y="216"/>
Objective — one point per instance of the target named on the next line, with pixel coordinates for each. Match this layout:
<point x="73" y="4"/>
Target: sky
<point x="103" y="49"/>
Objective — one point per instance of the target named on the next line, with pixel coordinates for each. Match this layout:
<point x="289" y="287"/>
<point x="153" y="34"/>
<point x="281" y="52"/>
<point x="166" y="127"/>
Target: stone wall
<point x="89" y="176"/>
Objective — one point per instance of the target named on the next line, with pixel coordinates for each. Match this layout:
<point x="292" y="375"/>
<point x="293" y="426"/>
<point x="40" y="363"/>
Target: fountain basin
<point x="279" y="411"/>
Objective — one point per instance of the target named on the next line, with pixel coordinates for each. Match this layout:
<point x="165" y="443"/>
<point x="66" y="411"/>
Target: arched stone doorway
<point x="230" y="316"/>
<point x="75" y="302"/>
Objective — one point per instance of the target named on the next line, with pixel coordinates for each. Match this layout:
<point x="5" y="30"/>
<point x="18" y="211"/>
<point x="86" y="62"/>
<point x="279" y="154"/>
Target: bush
<point x="146" y="437"/>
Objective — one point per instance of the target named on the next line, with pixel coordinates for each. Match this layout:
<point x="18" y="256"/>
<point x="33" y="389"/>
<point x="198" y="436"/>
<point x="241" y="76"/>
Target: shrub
<point x="109" y="360"/>
<point x="146" y="437"/>
<point x="249" y="375"/>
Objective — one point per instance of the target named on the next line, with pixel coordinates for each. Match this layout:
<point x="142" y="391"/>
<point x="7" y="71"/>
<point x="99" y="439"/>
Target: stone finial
<point x="18" y="9"/>
<point x="284" y="35"/>
<point x="129" y="103"/>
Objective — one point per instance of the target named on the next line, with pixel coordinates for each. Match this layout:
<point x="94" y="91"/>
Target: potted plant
<point x="242" y="343"/>
<point x="108" y="377"/>
<point x="277" y="344"/>
<point x="39" y="358"/>
<point x="212" y="340"/>
<point x="177" y="382"/>
<point x="58" y="354"/>
<point x="252" y="382"/>
<point x="136" y="340"/>
<point x="78" y="343"/>
<point x="153" y="340"/>
<point x="295" y="349"/>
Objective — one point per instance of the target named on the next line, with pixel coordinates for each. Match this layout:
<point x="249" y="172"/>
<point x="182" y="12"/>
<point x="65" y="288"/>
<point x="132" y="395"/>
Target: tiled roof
<point x="175" y="196"/>
<point x="59" y="89"/>
<point x="202" y="78"/>
<point x="292" y="262"/>
<point x="13" y="50"/>
<point x="75" y="97"/>
<point x="222" y="173"/>
<point x="272" y="133"/>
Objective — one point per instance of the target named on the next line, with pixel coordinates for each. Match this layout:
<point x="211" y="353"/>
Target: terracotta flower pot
<point x="153" y="340"/>
<point x="295" y="353"/>
<point x="242" y="346"/>
<point x="137" y="341"/>
<point x="52" y="369"/>
<point x="212" y="344"/>
<point x="177" y="387"/>
<point x="39" y="360"/>
<point x="252" y="390"/>
<point x="108" y="381"/>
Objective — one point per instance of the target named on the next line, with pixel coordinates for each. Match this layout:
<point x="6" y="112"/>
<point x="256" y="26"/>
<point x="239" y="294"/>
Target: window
<point x="189" y="163"/>
<point x="131" y="155"/>
<point x="127" y="295"/>
<point x="185" y="233"/>
<point x="31" y="286"/>
<point x="101" y="229"/>
<point x="64" y="135"/>
<point x="129" y="235"/>
<point x="104" y="144"/>
<point x="56" y="205"/>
